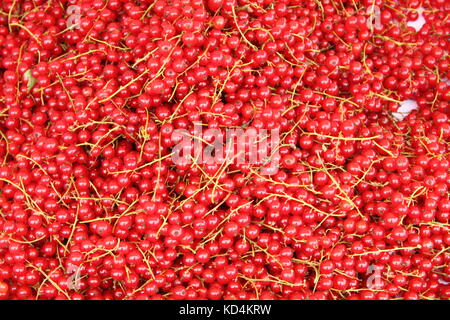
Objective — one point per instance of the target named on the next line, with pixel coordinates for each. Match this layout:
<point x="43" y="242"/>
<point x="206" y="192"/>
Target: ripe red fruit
<point x="351" y="203"/>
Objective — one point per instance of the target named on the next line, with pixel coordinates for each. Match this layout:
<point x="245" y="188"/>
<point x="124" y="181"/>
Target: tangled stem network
<point x="94" y="94"/>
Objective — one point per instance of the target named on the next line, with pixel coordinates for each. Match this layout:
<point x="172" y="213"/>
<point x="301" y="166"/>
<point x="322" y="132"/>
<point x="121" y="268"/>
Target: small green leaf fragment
<point x="31" y="81"/>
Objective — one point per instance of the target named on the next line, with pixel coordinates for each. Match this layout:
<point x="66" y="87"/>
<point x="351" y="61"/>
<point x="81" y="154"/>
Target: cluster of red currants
<point x="93" y="207"/>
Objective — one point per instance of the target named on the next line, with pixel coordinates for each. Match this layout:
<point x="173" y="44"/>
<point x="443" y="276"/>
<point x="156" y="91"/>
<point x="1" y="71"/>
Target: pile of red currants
<point x="93" y="205"/>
